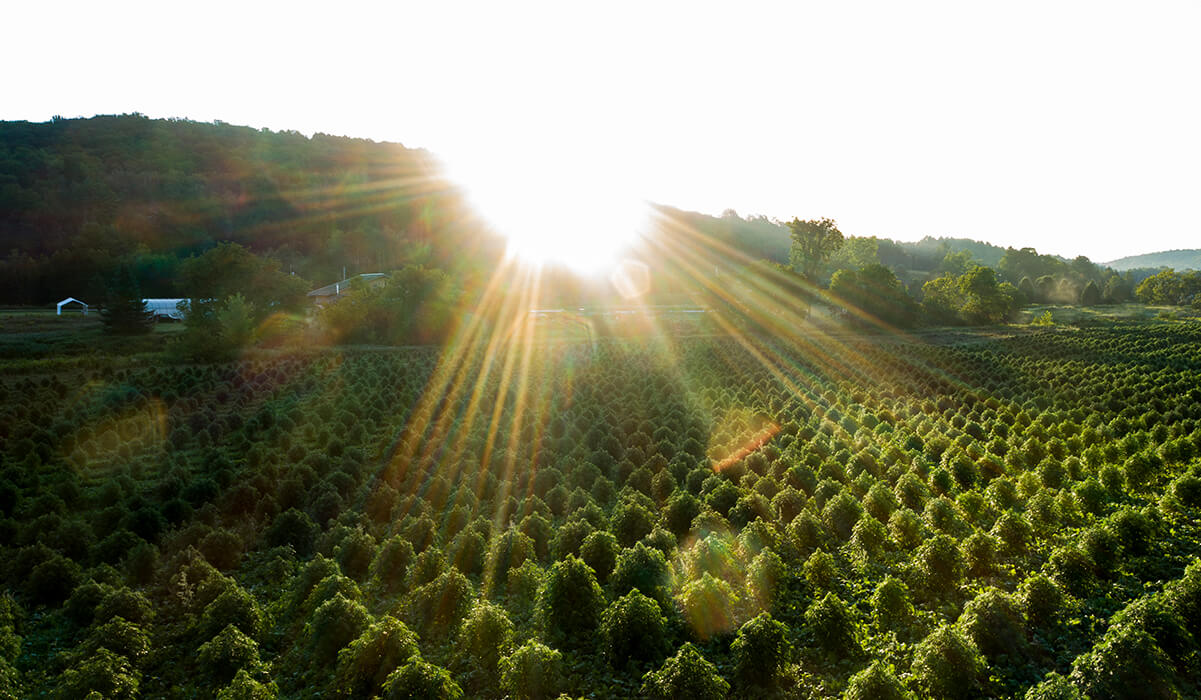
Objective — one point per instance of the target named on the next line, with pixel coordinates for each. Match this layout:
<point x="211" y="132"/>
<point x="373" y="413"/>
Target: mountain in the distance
<point x="1184" y="259"/>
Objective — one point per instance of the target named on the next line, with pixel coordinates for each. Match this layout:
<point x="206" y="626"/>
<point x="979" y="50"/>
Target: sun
<point x="554" y="207"/>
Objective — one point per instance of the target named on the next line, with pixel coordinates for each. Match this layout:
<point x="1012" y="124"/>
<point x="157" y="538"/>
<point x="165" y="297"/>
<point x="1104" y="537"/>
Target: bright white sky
<point x="1074" y="127"/>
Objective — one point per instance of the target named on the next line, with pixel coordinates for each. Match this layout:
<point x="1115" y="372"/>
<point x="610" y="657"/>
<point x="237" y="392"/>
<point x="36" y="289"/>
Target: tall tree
<point x="124" y="311"/>
<point x="813" y="242"/>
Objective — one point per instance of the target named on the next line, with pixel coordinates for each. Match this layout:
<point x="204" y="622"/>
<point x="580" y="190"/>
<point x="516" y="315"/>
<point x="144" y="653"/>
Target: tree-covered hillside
<point x="1185" y="259"/>
<point x="78" y="196"/>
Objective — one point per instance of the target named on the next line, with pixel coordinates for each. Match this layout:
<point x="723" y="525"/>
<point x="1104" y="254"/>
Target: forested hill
<point x="76" y="195"/>
<point x="1187" y="259"/>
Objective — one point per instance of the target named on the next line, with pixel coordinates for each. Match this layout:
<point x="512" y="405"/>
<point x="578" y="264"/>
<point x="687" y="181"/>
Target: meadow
<point x="1011" y="513"/>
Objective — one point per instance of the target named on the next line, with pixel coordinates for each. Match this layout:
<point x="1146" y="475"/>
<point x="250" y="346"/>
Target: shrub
<point x="53" y="580"/>
<point x="532" y="672"/>
<point x="121" y="637"/>
<point x="940" y="564"/>
<point x="761" y="651"/>
<point x="365" y="664"/>
<point x="1151" y="614"/>
<point x="1040" y="600"/>
<point x="599" y="551"/>
<point x="892" y="608"/>
<point x="1126" y="658"/>
<point x="234" y="606"/>
<point x="763" y="578"/>
<point x="103" y="672"/>
<point x="821" y="571"/>
<point x="227" y="653"/>
<point x="245" y="687"/>
<point x="569" y="539"/>
<point x="1072" y="570"/>
<point x="631" y="522"/>
<point x="222" y="549"/>
<point x="686" y="675"/>
<point x="486" y="635"/>
<point x="993" y="622"/>
<point x="333" y="625"/>
<point x="80" y="608"/>
<point x="645" y="570"/>
<point x="946" y="665"/>
<point x="122" y="602"/>
<point x="509" y="550"/>
<point x="633" y="630"/>
<point x="841" y="513"/>
<point x="390" y="568"/>
<point x="295" y="529"/>
<point x="1054" y="687"/>
<point x="906" y="528"/>
<point x="439" y="606"/>
<point x="418" y="679"/>
<point x="710" y="606"/>
<point x="570" y="601"/>
<point x="876" y="682"/>
<point x="831" y="626"/>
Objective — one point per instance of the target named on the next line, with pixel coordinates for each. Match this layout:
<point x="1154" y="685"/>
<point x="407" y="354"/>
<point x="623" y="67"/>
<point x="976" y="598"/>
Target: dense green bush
<point x="532" y="672"/>
<point x="419" y="679"/>
<point x="633" y="630"/>
<point x="223" y="656"/>
<point x="761" y="650"/>
<point x="570" y="602"/>
<point x="364" y="665"/>
<point x="686" y="675"/>
<point x="333" y="625"/>
<point x="485" y="636"/>
<point x="645" y="570"/>
<point x="946" y="665"/>
<point x="1125" y="659"/>
<point x="710" y="606"/>
<point x="833" y="630"/>
<point x="876" y="682"/>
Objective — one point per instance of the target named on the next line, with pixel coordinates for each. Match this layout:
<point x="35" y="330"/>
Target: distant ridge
<point x="1185" y="259"/>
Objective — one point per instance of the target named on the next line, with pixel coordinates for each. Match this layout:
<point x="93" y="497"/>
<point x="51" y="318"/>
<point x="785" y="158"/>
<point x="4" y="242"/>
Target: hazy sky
<point x="1073" y="127"/>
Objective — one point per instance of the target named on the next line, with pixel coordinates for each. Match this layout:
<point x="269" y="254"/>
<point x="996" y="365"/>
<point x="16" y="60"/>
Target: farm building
<point x="333" y="292"/>
<point x="72" y="300"/>
<point x="165" y="308"/>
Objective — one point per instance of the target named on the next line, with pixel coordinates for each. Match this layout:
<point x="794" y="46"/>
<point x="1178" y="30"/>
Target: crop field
<point x="627" y="517"/>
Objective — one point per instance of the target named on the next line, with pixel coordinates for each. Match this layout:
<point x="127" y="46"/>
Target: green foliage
<point x="829" y="623"/>
<point x="993" y="622"/>
<point x="645" y="570"/>
<point x="892" y="607"/>
<point x="761" y="650"/>
<point x="223" y="656"/>
<point x="1126" y="658"/>
<point x="103" y="672"/>
<point x="686" y="675"/>
<point x="335" y="624"/>
<point x="710" y="606"/>
<point x="486" y="635"/>
<point x="365" y="664"/>
<point x="420" y="680"/>
<point x="876" y="682"/>
<point x="124" y="311"/>
<point x="946" y="665"/>
<point x="633" y="630"/>
<point x="245" y="687"/>
<point x="875" y="294"/>
<point x="599" y="551"/>
<point x="570" y="602"/>
<point x="533" y="671"/>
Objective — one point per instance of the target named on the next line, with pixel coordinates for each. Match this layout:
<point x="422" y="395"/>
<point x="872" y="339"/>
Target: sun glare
<point x="554" y="209"/>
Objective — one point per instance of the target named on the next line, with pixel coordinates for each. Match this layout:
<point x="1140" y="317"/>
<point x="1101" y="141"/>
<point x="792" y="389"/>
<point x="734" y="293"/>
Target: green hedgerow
<point x="533" y="671"/>
<point x="633" y="630"/>
<point x="686" y="675"/>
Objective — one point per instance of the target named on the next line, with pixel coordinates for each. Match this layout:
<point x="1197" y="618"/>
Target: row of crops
<point x="858" y="517"/>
